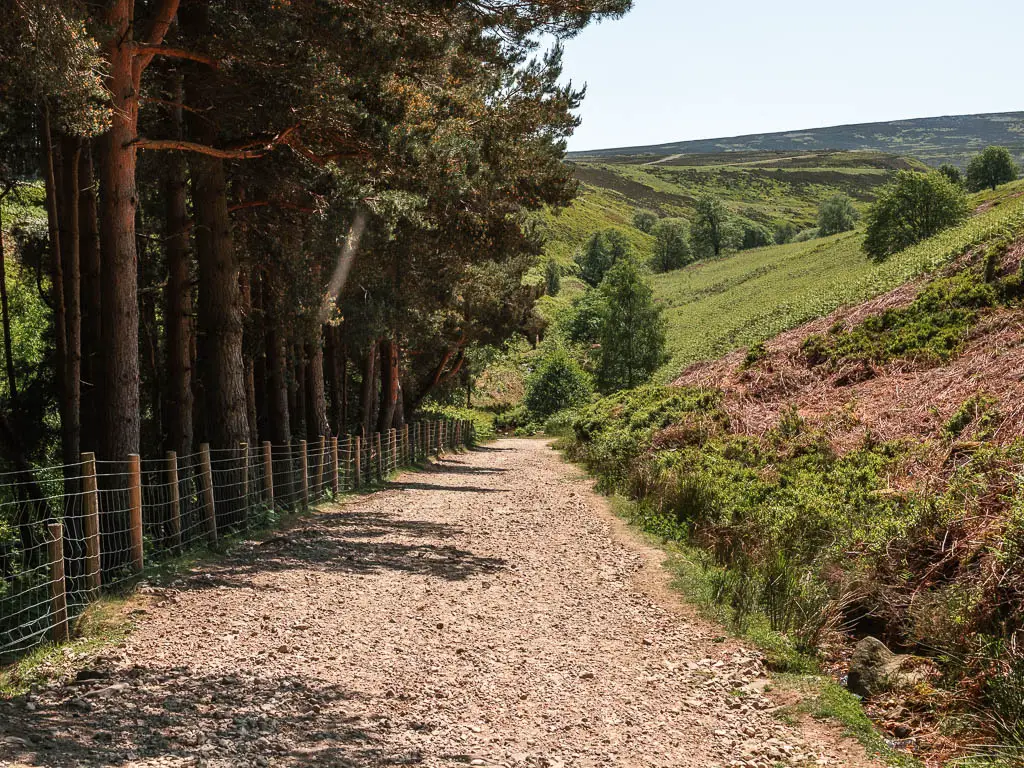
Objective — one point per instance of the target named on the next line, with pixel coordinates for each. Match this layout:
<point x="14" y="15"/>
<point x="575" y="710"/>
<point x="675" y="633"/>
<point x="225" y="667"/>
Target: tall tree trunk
<point x="53" y="195"/>
<point x="278" y="417"/>
<point x="333" y="363"/>
<point x="368" y="387"/>
<point x="298" y="391"/>
<point x="91" y="325"/>
<point x="260" y="361"/>
<point x="5" y="316"/>
<point x="220" y="310"/>
<point x="120" y="308"/>
<point x="250" y="374"/>
<point x="316" y="401"/>
<point x="343" y="419"/>
<point x="71" y="420"/>
<point x="388" y="384"/>
<point x="400" y="407"/>
<point x="177" y="296"/>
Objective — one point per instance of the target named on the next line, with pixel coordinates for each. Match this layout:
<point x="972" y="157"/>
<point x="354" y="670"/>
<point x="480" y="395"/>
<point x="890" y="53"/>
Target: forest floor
<point x="489" y="610"/>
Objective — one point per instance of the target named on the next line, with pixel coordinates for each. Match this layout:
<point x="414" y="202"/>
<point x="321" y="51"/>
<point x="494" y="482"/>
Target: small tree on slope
<point x="912" y="208"/>
<point x="601" y="251"/>
<point x="713" y="229"/>
<point x="991" y="168"/>
<point x="632" y="330"/>
<point x="836" y="215"/>
<point x="671" y="245"/>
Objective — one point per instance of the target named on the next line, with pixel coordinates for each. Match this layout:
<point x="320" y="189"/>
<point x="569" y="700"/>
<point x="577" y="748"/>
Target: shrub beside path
<point x="486" y="611"/>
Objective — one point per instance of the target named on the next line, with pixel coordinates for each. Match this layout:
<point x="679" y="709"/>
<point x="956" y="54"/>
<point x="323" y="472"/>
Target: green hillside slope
<point x="716" y="306"/>
<point x="771" y="188"/>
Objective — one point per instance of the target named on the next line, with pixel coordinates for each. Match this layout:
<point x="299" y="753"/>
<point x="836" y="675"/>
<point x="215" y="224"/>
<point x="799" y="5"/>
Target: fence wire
<point x="69" y="533"/>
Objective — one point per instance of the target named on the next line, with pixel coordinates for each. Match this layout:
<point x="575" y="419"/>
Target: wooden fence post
<point x="320" y="466"/>
<point x="174" y="510"/>
<point x="392" y="449"/>
<point x="58" y="593"/>
<point x="304" y="467"/>
<point x="243" y="450"/>
<point x="358" y="473"/>
<point x="380" y="458"/>
<point x="208" y="508"/>
<point x="91" y="526"/>
<point x="135" y="506"/>
<point x="406" y="447"/>
<point x="268" y="472"/>
<point x="334" y="467"/>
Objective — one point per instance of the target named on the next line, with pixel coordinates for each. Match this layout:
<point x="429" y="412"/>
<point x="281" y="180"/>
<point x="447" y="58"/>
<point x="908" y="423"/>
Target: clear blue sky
<point x="672" y="70"/>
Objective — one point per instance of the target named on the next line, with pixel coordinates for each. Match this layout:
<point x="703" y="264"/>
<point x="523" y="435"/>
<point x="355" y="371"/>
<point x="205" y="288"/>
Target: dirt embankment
<point x="897" y="400"/>
<point x="489" y="611"/>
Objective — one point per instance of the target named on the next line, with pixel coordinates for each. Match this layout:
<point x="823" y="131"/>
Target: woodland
<point x="267" y="221"/>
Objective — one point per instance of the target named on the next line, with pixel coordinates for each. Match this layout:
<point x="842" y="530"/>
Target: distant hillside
<point x="933" y="140"/>
<point x="717" y="306"/>
<point x="769" y="188"/>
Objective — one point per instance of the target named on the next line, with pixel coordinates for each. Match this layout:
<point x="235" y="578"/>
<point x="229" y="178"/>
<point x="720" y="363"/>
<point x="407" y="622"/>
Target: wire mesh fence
<point x="70" y="533"/>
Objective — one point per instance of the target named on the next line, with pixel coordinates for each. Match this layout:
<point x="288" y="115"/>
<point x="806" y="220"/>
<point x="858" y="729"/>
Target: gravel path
<point x="487" y="611"/>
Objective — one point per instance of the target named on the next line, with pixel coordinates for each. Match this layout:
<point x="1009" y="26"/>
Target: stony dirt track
<point x="487" y="611"/>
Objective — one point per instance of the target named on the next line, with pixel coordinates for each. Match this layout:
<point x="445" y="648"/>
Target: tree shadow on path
<point x="130" y="716"/>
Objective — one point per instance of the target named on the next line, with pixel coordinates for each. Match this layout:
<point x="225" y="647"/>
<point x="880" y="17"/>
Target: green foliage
<point x="483" y="421"/>
<point x="552" y="277"/>
<point x="581" y="322"/>
<point x="645" y="220"/>
<point x="836" y="215"/>
<point x="755" y="354"/>
<point x="979" y="410"/>
<point x="914" y="207"/>
<point x="602" y="251"/>
<point x="931" y="329"/>
<point x="611" y="434"/>
<point x="785" y="232"/>
<point x="632" y="331"/>
<point x="1004" y="697"/>
<point x="952" y="173"/>
<point x="713" y="230"/>
<point x="738" y="301"/>
<point x="994" y="166"/>
<point x="558" y="382"/>
<point x="672" y="245"/>
<point x="754" y="235"/>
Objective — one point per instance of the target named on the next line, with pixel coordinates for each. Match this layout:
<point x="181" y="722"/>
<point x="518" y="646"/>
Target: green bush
<point x="558" y="382"/>
<point x="785" y="232"/>
<point x="580" y="323"/>
<point x="671" y="245"/>
<point x="931" y="329"/>
<point x="714" y="230"/>
<point x="600" y="253"/>
<point x="952" y="173"/>
<point x="994" y="166"/>
<point x="645" y="220"/>
<point x="912" y="208"/>
<point x="754" y="235"/>
<point x="836" y="215"/>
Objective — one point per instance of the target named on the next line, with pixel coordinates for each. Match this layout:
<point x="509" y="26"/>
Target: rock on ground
<point x="487" y="611"/>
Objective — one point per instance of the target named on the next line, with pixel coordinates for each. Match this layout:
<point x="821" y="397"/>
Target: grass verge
<point x="694" y="577"/>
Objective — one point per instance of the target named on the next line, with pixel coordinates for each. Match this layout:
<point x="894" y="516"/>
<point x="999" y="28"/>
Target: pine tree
<point x="632" y="331"/>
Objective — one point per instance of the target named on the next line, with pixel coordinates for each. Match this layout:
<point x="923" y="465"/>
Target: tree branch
<point x="149" y="51"/>
<point x="164" y="16"/>
<point x="202" y="149"/>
